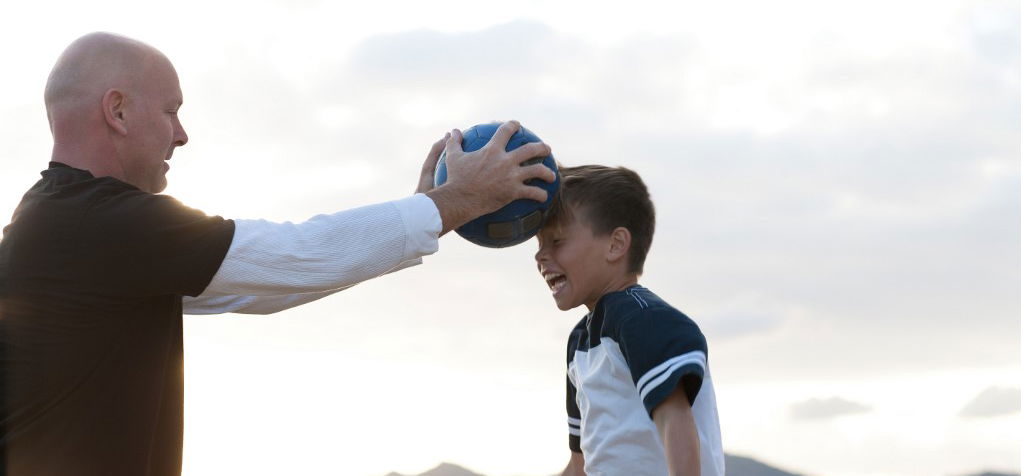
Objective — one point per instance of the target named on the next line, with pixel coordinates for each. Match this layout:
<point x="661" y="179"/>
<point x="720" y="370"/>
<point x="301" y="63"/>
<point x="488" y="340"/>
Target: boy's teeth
<point x="555" y="281"/>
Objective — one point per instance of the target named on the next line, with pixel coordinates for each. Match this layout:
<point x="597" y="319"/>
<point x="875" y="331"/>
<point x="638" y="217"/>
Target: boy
<point x="640" y="400"/>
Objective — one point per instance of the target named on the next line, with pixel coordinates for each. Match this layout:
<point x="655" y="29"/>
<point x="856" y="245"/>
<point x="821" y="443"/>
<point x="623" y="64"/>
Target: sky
<point x="838" y="189"/>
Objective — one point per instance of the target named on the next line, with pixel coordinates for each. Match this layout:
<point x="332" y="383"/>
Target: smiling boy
<point x="640" y="399"/>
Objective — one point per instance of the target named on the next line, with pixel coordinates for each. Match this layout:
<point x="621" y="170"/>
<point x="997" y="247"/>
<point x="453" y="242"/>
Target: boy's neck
<point x="619" y="284"/>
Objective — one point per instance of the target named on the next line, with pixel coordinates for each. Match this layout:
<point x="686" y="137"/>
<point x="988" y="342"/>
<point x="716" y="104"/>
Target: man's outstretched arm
<point x="274" y="266"/>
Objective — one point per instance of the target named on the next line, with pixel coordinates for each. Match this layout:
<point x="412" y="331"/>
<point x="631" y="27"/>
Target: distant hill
<point x="736" y="466"/>
<point x="444" y="469"/>
<point x="742" y="466"/>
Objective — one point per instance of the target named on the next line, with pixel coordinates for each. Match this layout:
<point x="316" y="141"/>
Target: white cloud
<point x="993" y="402"/>
<point x="824" y="409"/>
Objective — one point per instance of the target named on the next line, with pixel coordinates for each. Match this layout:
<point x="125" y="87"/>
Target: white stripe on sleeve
<point x="661" y="372"/>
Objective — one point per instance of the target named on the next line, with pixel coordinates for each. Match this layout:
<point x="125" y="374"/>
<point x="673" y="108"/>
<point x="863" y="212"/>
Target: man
<point x="94" y="263"/>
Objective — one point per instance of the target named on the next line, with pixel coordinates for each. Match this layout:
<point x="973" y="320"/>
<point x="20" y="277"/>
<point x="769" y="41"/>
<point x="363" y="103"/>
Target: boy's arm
<point x="676" y="425"/>
<point x="576" y="466"/>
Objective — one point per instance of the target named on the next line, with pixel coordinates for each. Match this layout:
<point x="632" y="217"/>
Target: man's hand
<point x="425" y="180"/>
<point x="482" y="181"/>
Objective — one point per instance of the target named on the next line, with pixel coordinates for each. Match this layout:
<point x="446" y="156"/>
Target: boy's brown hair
<point x="607" y="198"/>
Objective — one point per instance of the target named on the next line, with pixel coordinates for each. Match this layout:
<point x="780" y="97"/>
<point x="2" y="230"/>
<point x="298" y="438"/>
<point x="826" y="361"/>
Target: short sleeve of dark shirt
<point x="573" y="412"/>
<point x="92" y="271"/>
<point x="114" y="239"/>
<point x="664" y="349"/>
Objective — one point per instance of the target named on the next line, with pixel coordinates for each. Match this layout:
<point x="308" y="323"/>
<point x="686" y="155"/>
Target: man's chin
<point x="159" y="185"/>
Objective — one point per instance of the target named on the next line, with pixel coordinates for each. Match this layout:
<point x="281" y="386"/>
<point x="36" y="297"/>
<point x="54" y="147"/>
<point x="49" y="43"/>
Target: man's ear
<point x="620" y="244"/>
<point x="114" y="103"/>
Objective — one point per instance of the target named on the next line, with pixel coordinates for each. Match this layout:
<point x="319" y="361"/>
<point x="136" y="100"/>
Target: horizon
<point x="450" y="466"/>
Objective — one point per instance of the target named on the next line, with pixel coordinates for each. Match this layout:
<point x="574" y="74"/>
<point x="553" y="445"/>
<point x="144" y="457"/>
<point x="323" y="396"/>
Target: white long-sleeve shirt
<point x="271" y="266"/>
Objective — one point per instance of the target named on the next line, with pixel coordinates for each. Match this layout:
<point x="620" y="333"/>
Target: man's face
<point x="572" y="261"/>
<point x="154" y="130"/>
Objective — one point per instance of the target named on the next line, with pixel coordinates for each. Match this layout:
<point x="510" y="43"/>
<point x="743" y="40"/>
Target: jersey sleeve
<point x="573" y="412"/>
<point x="149" y="244"/>
<point x="573" y="418"/>
<point x="664" y="350"/>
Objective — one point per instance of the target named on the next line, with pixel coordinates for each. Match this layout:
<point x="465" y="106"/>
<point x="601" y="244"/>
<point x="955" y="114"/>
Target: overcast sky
<point x="838" y="189"/>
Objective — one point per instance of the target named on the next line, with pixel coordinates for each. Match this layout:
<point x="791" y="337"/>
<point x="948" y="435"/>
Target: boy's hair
<point x="607" y="198"/>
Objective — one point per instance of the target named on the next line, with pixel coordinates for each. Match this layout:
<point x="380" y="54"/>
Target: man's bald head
<point x="112" y="105"/>
<point x="93" y="64"/>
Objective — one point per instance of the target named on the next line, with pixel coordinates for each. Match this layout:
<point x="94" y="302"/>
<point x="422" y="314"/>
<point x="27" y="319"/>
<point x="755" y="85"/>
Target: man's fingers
<point x="532" y="193"/>
<point x="529" y="151"/>
<point x="438" y="146"/>
<point x="425" y="179"/>
<point x="434" y="153"/>
<point x="503" y="134"/>
<point x="538" y="171"/>
<point x="453" y="143"/>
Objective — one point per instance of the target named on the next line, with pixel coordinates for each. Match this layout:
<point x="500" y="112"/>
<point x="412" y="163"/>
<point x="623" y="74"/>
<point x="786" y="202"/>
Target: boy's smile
<point x="573" y="262"/>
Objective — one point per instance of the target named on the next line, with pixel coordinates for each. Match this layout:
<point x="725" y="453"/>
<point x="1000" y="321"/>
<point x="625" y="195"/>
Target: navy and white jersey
<point x="623" y="359"/>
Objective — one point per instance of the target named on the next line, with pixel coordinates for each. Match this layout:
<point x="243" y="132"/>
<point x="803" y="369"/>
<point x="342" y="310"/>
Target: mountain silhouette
<point x="744" y="466"/>
<point x="736" y="466"/>
<point x="444" y="469"/>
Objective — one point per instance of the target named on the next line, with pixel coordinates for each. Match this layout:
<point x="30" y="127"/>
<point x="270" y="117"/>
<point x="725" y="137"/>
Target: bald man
<point x="97" y="268"/>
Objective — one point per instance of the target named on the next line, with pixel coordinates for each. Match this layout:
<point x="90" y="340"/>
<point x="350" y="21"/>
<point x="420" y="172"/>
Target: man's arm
<point x="332" y="252"/>
<point x="327" y="252"/>
<point x="210" y="303"/>
<point x="206" y="304"/>
<point x="676" y="425"/>
<point x="576" y="465"/>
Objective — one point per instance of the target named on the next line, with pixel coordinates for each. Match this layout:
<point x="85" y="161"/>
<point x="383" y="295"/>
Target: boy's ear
<point x="620" y="243"/>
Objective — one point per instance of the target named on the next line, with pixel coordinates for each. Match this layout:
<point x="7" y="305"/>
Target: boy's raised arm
<point x="676" y="425"/>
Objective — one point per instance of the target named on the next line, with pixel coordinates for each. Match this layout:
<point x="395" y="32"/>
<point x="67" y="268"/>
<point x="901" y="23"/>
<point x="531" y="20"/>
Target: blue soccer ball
<point x="518" y="220"/>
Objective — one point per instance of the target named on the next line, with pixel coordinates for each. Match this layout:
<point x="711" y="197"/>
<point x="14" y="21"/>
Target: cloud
<point x="423" y="55"/>
<point x="736" y="324"/>
<point x="993" y="402"/>
<point x="824" y="409"/>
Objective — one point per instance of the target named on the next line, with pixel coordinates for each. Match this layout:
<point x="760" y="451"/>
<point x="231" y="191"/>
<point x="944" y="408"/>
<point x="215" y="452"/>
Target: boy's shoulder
<point x="638" y="305"/>
<point x="638" y="318"/>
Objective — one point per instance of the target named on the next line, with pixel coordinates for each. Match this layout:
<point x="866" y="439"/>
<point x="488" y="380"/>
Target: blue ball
<point x="518" y="220"/>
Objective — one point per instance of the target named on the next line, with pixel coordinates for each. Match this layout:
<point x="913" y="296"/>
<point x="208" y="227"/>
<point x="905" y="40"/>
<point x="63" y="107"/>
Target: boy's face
<point x="572" y="260"/>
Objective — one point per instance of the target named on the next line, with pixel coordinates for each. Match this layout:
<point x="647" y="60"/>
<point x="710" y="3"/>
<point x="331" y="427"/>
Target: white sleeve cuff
<point x="422" y="220"/>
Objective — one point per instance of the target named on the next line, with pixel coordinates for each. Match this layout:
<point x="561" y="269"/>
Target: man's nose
<point x="180" y="136"/>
